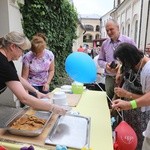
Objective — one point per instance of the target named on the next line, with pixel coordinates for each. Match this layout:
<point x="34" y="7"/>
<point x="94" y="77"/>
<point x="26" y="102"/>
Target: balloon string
<point x="110" y="101"/>
<point x="122" y="115"/>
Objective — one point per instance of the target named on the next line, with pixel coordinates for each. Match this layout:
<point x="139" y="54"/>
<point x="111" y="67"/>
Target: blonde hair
<point x="38" y="44"/>
<point x="16" y="38"/>
<point x="42" y="35"/>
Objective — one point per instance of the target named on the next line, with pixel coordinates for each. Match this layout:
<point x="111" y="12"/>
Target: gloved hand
<point x="58" y="109"/>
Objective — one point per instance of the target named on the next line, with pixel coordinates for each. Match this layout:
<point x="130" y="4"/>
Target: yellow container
<point x="77" y="88"/>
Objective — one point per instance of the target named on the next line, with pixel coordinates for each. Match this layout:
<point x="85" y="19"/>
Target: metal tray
<point x="72" y="131"/>
<point x="39" y="114"/>
<point x="6" y="113"/>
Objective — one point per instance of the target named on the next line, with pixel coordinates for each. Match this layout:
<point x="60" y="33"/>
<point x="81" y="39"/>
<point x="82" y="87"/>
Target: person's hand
<point x="121" y="105"/>
<point x="58" y="109"/>
<point x="41" y="95"/>
<point x="46" y="87"/>
<point x="118" y="79"/>
<point x="120" y="92"/>
<point x="111" y="70"/>
<point x="108" y="69"/>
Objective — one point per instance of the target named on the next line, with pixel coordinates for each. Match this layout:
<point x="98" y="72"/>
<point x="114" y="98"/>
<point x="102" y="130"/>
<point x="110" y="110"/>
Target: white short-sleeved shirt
<point x="145" y="82"/>
<point x="100" y="78"/>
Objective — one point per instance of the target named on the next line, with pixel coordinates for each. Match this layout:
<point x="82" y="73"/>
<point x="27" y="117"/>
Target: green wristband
<point x="133" y="104"/>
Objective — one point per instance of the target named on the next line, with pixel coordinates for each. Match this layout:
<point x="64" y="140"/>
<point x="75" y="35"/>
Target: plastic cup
<point x="60" y="98"/>
<point x="77" y="88"/>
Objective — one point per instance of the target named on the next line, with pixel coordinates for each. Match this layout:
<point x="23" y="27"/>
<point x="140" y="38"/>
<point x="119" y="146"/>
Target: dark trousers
<point x="40" y="89"/>
<point x="109" y="85"/>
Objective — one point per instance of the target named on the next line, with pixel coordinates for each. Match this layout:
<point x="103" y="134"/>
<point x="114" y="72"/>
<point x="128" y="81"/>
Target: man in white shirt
<point x="100" y="75"/>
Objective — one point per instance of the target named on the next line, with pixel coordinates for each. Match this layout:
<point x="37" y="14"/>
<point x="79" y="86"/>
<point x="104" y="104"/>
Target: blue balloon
<point x="81" y="67"/>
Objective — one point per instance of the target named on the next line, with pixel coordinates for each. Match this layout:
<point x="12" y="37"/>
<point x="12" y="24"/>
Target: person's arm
<point x="119" y="77"/>
<point x="126" y="105"/>
<point x="143" y="100"/>
<point x="50" y="76"/>
<point x="25" y="72"/>
<point x="120" y="92"/>
<point x="30" y="88"/>
<point x="101" y="60"/>
<point x="19" y="91"/>
<point x="145" y="80"/>
<point x="119" y="105"/>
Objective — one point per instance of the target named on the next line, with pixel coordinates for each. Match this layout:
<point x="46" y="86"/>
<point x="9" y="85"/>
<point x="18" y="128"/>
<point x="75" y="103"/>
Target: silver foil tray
<point x="72" y="131"/>
<point x="39" y="114"/>
<point x="6" y="113"/>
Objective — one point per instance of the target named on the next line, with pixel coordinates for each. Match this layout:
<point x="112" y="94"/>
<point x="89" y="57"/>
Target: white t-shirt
<point x="145" y="82"/>
<point x="100" y="78"/>
<point x="89" y="51"/>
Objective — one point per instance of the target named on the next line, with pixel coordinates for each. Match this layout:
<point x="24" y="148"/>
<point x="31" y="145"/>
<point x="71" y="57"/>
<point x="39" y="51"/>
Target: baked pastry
<point x="28" y="122"/>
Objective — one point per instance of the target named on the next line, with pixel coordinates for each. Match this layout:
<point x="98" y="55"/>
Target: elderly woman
<point x="12" y="47"/>
<point x="134" y="60"/>
<point x="38" y="64"/>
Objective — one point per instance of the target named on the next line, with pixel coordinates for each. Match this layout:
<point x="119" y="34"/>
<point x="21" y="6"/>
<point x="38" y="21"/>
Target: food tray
<point x="6" y="113"/>
<point x="72" y="131"/>
<point x="40" y="114"/>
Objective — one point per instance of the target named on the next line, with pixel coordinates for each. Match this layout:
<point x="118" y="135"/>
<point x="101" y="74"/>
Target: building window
<point x="118" y="2"/>
<point x="89" y="28"/>
<point x="87" y="38"/>
<point x="84" y="38"/>
<point x="97" y="36"/>
<point x="97" y="28"/>
<point x="135" y="30"/>
<point x="90" y="38"/>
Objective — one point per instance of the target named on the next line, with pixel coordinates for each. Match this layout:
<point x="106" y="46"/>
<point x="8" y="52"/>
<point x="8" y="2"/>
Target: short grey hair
<point x="113" y="21"/>
<point x="16" y="38"/>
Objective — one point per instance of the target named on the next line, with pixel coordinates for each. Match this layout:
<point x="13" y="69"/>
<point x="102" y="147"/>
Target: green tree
<point x="58" y="20"/>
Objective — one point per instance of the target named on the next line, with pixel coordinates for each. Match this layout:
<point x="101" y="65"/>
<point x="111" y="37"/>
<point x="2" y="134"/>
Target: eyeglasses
<point x="20" y="48"/>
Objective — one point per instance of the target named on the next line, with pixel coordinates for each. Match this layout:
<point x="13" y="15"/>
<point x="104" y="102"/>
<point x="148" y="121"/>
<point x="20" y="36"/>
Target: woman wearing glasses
<point x="12" y="46"/>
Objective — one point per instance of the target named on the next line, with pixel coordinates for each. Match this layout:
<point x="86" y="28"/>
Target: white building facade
<point x="127" y="15"/>
<point x="133" y="19"/>
<point x="80" y="32"/>
<point x="91" y="24"/>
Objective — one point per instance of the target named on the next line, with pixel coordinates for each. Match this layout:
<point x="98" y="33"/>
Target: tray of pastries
<point x="28" y="124"/>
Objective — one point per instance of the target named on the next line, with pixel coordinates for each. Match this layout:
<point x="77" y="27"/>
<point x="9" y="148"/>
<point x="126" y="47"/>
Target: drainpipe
<point x="147" y="24"/>
<point x="140" y="23"/>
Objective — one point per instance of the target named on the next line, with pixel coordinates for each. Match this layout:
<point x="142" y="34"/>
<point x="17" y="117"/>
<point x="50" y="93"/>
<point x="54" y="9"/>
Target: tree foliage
<point x="58" y="20"/>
